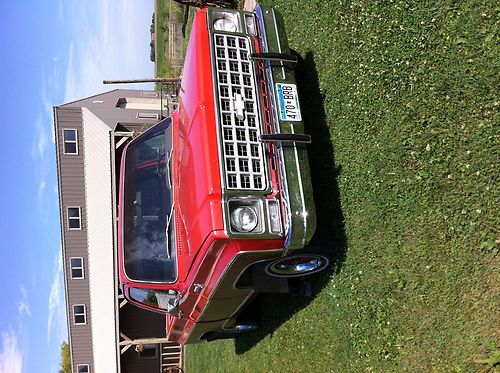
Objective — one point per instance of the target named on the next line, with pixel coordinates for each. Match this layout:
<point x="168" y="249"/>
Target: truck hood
<point x="197" y="182"/>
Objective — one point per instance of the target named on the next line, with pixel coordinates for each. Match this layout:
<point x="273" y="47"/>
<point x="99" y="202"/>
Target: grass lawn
<point x="401" y="99"/>
<point x="163" y="67"/>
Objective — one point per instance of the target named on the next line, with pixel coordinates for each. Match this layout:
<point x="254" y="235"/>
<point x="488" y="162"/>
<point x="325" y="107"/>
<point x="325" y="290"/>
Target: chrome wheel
<point x="297" y="265"/>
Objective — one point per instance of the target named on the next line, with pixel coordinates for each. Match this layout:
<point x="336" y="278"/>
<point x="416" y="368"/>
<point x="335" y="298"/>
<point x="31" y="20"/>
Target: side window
<point x="82" y="368"/>
<point x="79" y="314"/>
<point x="76" y="268"/>
<point x="74" y="218"/>
<point x="70" y="142"/>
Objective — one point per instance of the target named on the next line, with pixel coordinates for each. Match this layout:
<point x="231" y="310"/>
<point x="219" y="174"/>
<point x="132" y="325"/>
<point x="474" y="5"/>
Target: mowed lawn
<point x="401" y="99"/>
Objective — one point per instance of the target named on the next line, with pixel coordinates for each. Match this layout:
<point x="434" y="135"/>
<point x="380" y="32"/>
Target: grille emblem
<point x="239" y="106"/>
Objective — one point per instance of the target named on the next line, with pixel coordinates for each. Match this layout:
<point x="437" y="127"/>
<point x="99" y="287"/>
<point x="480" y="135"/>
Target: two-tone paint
<point x="210" y="256"/>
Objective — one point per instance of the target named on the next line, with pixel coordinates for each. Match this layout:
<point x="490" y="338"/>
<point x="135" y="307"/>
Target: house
<point x="106" y="334"/>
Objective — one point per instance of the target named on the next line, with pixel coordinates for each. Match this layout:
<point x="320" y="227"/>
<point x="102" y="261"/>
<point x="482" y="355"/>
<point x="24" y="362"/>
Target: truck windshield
<point x="148" y="236"/>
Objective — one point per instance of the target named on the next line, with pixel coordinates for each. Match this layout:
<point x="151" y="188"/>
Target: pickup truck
<point x="217" y="198"/>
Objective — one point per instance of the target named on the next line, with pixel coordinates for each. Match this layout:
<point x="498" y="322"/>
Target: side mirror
<point x="169" y="301"/>
<point x="173" y="305"/>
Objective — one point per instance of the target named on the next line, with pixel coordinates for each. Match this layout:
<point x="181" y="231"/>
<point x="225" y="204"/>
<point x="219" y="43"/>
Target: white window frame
<point x="79" y="314"/>
<point x="68" y="218"/>
<point x="70" y="141"/>
<point x="149" y="94"/>
<point x="82" y="366"/>
<point x="71" y="268"/>
<point x="149" y="346"/>
<point x="142" y="115"/>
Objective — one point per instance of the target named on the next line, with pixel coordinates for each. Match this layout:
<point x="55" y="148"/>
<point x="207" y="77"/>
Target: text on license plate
<point x="288" y="102"/>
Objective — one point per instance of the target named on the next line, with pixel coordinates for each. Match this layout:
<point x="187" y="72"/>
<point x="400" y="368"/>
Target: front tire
<point x="205" y="3"/>
<point x="297" y="265"/>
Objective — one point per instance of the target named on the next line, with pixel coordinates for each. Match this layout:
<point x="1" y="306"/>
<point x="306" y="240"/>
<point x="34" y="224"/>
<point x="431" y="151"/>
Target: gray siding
<point x="72" y="193"/>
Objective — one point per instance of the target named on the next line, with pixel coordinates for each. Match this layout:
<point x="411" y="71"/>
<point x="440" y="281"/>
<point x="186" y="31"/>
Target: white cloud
<point x="50" y="87"/>
<point x="70" y="86"/>
<point x="42" y="141"/>
<point x="115" y="46"/>
<point x="61" y="11"/>
<point x="42" y="162"/>
<point x="56" y="322"/>
<point x="41" y="191"/>
<point x="40" y="145"/>
<point x="11" y="357"/>
<point x="22" y="305"/>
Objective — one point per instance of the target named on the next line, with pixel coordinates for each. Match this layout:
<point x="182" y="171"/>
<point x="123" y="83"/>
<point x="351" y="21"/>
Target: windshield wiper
<point x="169" y="219"/>
<point x="167" y="157"/>
<point x="167" y="168"/>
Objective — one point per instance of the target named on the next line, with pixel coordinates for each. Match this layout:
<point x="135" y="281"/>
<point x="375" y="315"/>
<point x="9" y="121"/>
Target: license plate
<point x="288" y="102"/>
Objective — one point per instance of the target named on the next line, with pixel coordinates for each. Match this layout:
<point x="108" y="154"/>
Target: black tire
<point x="208" y="3"/>
<point x="297" y="265"/>
<point x="234" y="332"/>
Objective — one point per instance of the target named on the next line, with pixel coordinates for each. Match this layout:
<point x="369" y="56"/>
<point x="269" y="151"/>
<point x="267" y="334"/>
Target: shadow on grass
<point x="329" y="240"/>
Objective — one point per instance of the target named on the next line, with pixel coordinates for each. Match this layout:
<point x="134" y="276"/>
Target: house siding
<point x="72" y="193"/>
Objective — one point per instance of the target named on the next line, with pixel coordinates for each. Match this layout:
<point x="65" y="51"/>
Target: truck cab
<point x="219" y="195"/>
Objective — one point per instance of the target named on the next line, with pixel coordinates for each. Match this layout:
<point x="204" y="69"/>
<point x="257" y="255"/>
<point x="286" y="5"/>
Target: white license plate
<point x="288" y="101"/>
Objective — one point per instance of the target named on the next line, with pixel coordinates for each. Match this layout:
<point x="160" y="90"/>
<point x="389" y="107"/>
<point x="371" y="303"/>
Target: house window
<point x="76" y="268"/>
<point x="149" y="94"/>
<point x="148" y="351"/>
<point x="74" y="218"/>
<point x="147" y="116"/>
<point x="79" y="315"/>
<point x="70" y="141"/>
<point x="82" y="368"/>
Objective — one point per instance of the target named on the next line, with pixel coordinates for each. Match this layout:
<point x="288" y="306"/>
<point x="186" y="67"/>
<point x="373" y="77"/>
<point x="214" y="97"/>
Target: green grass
<point x="163" y="67"/>
<point x="401" y="101"/>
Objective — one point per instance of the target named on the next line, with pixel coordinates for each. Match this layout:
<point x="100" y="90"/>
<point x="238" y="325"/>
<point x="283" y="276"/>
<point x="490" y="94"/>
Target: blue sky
<point x="52" y="52"/>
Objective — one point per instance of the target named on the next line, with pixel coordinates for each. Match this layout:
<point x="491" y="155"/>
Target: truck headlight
<point x="244" y="219"/>
<point x="225" y="24"/>
<point x="224" y="20"/>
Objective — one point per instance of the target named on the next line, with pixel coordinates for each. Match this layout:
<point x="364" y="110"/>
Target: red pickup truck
<point x="219" y="196"/>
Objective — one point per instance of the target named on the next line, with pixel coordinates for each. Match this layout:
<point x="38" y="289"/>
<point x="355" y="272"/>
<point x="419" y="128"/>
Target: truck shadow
<point x="330" y="239"/>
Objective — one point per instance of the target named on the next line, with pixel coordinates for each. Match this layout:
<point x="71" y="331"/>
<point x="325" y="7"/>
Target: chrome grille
<point x="243" y="154"/>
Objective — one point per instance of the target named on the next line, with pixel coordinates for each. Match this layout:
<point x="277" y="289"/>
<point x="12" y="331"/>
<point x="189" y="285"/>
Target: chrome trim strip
<point x="283" y="181"/>
<point x="278" y="40"/>
<point x="299" y="175"/>
<point x="285" y="198"/>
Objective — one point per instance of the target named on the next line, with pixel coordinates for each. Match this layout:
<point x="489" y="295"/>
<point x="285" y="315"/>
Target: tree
<point x="65" y="358"/>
